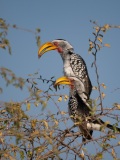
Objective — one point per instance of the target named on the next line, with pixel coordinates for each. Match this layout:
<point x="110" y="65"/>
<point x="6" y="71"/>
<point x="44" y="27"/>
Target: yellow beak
<point x="48" y="46"/>
<point x="63" y="80"/>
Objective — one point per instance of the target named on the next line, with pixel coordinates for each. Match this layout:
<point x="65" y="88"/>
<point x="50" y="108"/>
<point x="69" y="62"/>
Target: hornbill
<point x="73" y="66"/>
<point x="82" y="114"/>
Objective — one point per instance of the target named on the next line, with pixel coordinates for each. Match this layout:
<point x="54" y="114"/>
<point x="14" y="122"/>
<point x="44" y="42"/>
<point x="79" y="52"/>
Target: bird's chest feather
<point x="67" y="68"/>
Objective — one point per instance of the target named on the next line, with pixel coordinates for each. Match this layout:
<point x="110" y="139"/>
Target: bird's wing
<point x="79" y="69"/>
<point x="79" y="112"/>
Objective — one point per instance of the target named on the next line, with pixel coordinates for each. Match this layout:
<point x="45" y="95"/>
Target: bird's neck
<point x="66" y="53"/>
<point x="72" y="91"/>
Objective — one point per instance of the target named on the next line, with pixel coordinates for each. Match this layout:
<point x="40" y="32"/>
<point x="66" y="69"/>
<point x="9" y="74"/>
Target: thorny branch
<point x="95" y="65"/>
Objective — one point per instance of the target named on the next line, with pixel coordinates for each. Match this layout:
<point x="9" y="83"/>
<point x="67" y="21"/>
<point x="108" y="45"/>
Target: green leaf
<point x="21" y="155"/>
<point x="100" y="156"/>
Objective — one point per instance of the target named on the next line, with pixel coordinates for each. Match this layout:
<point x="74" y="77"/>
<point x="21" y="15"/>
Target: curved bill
<point x="63" y="80"/>
<point x="48" y="46"/>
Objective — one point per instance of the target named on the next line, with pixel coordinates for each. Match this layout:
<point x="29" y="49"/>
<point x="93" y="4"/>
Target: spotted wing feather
<point x="79" y="69"/>
<point x="79" y="111"/>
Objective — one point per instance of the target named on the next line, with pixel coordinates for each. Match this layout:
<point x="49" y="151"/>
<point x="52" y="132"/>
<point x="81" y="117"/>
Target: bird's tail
<point x="102" y="123"/>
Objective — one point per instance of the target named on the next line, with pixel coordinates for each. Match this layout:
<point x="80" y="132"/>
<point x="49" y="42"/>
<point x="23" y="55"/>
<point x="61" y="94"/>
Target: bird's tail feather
<point x="101" y="122"/>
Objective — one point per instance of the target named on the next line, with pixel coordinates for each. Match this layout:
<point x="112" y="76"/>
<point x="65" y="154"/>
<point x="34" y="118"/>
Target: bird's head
<point x="62" y="46"/>
<point x="66" y="81"/>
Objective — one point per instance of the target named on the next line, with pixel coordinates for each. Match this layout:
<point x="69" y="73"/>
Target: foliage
<point x="48" y="135"/>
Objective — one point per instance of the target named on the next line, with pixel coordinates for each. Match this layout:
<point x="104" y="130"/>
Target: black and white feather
<point x="74" y="66"/>
<point x="79" y="112"/>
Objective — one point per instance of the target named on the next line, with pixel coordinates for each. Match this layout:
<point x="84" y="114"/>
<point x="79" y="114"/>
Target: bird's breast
<point x="67" y="69"/>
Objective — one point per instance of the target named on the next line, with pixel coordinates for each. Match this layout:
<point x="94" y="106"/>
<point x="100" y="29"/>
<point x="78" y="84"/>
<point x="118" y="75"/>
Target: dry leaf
<point x="106" y="26"/>
<point x="119" y="143"/>
<point x="96" y="29"/>
<point x="117" y="105"/>
<point x="28" y="106"/>
<point x="33" y="123"/>
<point x="62" y="112"/>
<point x="46" y="124"/>
<point x="35" y="133"/>
<point x="99" y="46"/>
<point x="1" y="140"/>
<point x="103" y="95"/>
<point x="107" y="45"/>
<point x="56" y="122"/>
<point x="38" y="91"/>
<point x="65" y="97"/>
<point x="113" y="153"/>
<point x="95" y="88"/>
<point x="103" y="85"/>
<point x="99" y="39"/>
<point x="1" y="134"/>
<point x="36" y="104"/>
<point x="60" y="99"/>
<point x="113" y="136"/>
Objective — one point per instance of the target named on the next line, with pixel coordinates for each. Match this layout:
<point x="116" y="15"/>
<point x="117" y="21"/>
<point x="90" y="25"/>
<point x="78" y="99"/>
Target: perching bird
<point x="80" y="113"/>
<point x="73" y="66"/>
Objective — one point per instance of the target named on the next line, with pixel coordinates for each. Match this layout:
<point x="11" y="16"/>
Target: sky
<point x="62" y="19"/>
